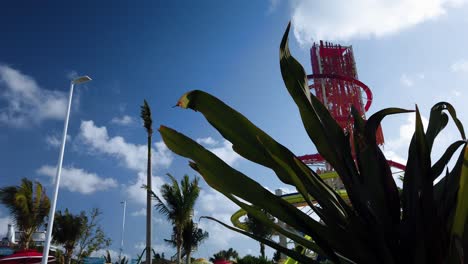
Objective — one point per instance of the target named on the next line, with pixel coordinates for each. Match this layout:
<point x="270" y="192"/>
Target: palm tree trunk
<point x="179" y="257"/>
<point x="187" y="256"/>
<point x="148" y="204"/>
<point x="262" y="250"/>
<point x="68" y="255"/>
<point x="26" y="238"/>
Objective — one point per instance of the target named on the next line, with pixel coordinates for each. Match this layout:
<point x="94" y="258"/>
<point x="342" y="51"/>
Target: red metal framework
<point x="334" y="81"/>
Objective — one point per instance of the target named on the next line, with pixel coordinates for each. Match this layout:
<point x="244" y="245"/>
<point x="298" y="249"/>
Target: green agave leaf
<point x="439" y="166"/>
<point x="231" y="182"/>
<point x="292" y="253"/>
<point x="335" y="209"/>
<point x="379" y="175"/>
<point x="295" y="237"/>
<point x="445" y="193"/>
<point x="322" y="129"/>
<point x="453" y="114"/>
<point x="437" y="122"/>
<point x="375" y="175"/>
<point x="410" y="203"/>
<point x="420" y="234"/>
<point x="461" y="211"/>
<point x="254" y="144"/>
<point x="374" y="121"/>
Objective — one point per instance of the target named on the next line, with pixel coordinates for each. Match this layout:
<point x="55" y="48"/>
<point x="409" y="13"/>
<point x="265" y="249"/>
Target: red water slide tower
<point x="334" y="81"/>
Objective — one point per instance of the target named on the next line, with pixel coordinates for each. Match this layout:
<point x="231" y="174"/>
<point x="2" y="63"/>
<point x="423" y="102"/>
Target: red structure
<point x="334" y="81"/>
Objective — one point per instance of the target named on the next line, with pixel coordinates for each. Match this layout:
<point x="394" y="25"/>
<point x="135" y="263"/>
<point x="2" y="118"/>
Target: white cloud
<point x="273" y="5"/>
<point x="406" y="81"/>
<point x="55" y="141"/>
<point x="221" y="149"/>
<point x="78" y="180"/>
<point x="410" y="80"/>
<point x="137" y="194"/>
<point x="52" y="141"/>
<point x="406" y="132"/>
<point x="123" y="120"/>
<point x="72" y="74"/>
<point x="343" y="20"/>
<point x="141" y="212"/>
<point x="396" y="149"/>
<point x="460" y="66"/>
<point x="219" y="236"/>
<point x="26" y="102"/>
<point x="214" y="204"/>
<point x="213" y="201"/>
<point x="226" y="153"/>
<point x="456" y="93"/>
<point x="209" y="141"/>
<point x="133" y="156"/>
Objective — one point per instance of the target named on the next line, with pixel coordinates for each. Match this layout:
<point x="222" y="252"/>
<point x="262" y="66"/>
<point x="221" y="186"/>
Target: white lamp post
<point x="45" y="254"/>
<point x="123" y="229"/>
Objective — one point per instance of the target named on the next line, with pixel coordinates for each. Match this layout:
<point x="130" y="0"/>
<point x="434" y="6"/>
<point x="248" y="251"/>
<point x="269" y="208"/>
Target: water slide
<point x="295" y="199"/>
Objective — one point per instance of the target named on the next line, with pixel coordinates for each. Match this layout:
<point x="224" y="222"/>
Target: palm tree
<point x="28" y="205"/>
<point x="67" y="231"/>
<point x="148" y="124"/>
<point x="259" y="229"/>
<point x="178" y="205"/>
<point x="107" y="258"/>
<point x="192" y="237"/>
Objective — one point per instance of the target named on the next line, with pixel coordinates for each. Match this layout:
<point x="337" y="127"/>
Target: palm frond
<point x="146" y="116"/>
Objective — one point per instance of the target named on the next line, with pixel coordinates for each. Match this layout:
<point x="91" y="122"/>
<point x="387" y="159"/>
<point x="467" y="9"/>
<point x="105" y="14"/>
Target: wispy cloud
<point x="410" y="80"/>
<point x="26" y="102"/>
<point x="341" y="20"/>
<point x="273" y="5"/>
<point x="54" y="140"/>
<point x="78" y="180"/>
<point x="124" y="120"/>
<point x="460" y="66"/>
<point x="141" y="212"/>
<point x="207" y="141"/>
<point x="72" y="74"/>
<point x="406" y="81"/>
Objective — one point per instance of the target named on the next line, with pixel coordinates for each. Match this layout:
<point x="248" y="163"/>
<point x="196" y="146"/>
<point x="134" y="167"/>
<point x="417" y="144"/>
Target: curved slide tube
<point x="295" y="199"/>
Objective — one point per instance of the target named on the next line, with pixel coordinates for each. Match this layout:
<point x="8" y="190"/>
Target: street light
<point x="123" y="229"/>
<point x="45" y="253"/>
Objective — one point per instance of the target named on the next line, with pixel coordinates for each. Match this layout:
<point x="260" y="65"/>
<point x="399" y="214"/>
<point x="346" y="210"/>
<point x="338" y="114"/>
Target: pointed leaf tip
<point x="284" y="41"/>
<point x="184" y="100"/>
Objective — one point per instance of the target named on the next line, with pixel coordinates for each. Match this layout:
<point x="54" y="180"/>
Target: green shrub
<point x="249" y="259"/>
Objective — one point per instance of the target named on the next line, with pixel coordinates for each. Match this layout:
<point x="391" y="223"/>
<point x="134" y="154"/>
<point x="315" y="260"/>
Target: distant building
<point x="13" y="237"/>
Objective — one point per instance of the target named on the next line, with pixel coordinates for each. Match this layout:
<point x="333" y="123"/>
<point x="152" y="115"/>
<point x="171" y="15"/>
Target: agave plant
<point x="427" y="225"/>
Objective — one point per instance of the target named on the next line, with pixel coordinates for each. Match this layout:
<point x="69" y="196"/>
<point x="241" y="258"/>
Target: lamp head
<point x="81" y="79"/>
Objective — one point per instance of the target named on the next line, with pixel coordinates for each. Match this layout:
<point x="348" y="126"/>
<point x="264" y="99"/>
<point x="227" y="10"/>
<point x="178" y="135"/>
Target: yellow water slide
<point x="295" y="199"/>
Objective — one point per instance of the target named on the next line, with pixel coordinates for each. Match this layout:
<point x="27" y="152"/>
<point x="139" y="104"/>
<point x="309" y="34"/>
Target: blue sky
<point x="407" y="51"/>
